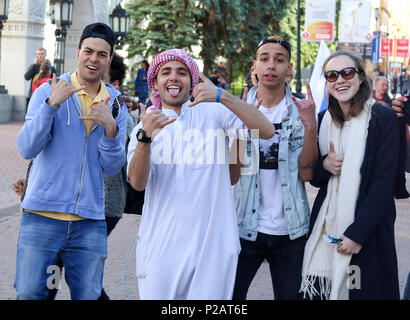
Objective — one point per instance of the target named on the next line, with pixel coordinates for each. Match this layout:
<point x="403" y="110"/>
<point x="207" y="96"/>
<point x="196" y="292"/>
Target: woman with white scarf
<point x="358" y="143"/>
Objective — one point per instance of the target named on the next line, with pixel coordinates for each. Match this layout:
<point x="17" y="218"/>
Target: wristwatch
<point x="142" y="136"/>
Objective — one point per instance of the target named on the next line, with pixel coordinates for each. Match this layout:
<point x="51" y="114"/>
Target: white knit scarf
<point x="322" y="264"/>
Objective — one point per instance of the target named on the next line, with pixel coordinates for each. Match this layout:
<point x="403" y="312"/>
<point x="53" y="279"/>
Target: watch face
<point x="140" y="135"/>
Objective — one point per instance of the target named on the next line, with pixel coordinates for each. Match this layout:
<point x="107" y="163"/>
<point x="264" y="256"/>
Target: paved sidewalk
<point x="118" y="251"/>
<point x="13" y="167"/>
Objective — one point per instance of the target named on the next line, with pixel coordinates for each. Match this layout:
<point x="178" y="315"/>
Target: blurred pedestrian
<point x="43" y="76"/>
<point x="140" y="85"/>
<point x="250" y="79"/>
<point x="34" y="69"/>
<point x="223" y="74"/>
<point x="216" y="78"/>
<point x="404" y="83"/>
<point x="380" y="93"/>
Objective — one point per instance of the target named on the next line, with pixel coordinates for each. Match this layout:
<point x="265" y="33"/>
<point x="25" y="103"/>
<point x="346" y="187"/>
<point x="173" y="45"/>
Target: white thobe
<point x="188" y="243"/>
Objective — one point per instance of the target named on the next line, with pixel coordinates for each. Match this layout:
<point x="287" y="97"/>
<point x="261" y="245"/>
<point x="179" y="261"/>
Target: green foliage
<point x="158" y="25"/>
<point x="222" y="28"/>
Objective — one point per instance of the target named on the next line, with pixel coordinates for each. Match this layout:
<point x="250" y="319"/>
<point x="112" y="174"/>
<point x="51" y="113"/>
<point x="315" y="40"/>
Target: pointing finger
<point x="167" y="122"/>
<point x="309" y="92"/>
<point x="54" y="80"/>
<point x="79" y="89"/>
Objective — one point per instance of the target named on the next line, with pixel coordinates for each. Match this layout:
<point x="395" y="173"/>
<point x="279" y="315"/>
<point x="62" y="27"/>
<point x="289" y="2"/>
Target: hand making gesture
<point x="306" y="108"/>
<point x="205" y="91"/>
<point x="153" y="122"/>
<point x="101" y="114"/>
<point x="245" y="97"/>
<point x="333" y="163"/>
<point x="61" y="91"/>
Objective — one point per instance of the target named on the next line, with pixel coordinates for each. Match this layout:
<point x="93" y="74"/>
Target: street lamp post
<point x="62" y="16"/>
<point x="4" y="7"/>
<point x="298" y="70"/>
<point x="119" y="19"/>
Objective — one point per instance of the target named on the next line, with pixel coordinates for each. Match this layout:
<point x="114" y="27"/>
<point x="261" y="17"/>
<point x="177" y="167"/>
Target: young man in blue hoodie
<point x="74" y="132"/>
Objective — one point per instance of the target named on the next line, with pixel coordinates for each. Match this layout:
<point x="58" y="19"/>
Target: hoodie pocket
<point x="55" y="168"/>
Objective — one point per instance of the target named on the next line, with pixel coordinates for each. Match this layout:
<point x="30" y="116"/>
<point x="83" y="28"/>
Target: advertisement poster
<point x="355" y="21"/>
<point x="386" y="48"/>
<point x="402" y="47"/>
<point x="376" y="47"/>
<point x="320" y="20"/>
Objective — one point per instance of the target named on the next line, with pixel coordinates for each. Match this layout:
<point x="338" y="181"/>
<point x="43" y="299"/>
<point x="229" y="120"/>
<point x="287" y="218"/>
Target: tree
<point x="228" y="28"/>
<point x="158" y="25"/>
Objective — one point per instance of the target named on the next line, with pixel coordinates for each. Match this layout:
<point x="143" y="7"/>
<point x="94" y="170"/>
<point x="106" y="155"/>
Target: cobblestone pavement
<point x="12" y="167"/>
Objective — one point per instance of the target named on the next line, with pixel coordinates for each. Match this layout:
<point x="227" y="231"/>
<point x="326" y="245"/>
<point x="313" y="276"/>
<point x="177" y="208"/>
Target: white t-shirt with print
<point x="271" y="219"/>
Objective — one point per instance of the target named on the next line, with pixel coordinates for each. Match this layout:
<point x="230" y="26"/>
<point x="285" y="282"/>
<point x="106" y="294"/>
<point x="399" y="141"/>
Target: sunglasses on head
<point x="347" y="74"/>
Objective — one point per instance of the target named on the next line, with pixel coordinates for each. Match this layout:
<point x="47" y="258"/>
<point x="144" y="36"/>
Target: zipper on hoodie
<point x="83" y="162"/>
<point x="81" y="174"/>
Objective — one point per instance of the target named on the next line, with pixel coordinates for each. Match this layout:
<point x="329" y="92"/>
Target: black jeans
<point x="285" y="258"/>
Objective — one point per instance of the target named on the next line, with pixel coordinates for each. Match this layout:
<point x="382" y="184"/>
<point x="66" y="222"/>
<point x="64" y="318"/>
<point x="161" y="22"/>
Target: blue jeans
<point x="285" y="258"/>
<point x="80" y="245"/>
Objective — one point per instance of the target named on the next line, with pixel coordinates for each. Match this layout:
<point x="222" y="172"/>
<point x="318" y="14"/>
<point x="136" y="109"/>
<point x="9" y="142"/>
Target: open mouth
<point x="342" y="89"/>
<point x="174" y="91"/>
<point x="91" y="68"/>
<point x="269" y="76"/>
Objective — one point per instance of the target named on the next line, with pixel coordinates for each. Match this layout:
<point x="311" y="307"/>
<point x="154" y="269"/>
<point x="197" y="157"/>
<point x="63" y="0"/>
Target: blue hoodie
<point x="68" y="166"/>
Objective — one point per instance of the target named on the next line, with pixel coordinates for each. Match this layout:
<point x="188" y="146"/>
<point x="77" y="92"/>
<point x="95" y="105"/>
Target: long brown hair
<point x="358" y="101"/>
<point x="43" y="73"/>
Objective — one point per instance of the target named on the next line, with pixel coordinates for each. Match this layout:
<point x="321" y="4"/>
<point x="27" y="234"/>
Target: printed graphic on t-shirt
<point x="269" y="150"/>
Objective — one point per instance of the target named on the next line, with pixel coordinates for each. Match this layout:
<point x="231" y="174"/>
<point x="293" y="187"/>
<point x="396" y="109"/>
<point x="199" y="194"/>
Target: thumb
<point x="106" y="101"/>
<point x="204" y="78"/>
<point x="331" y="147"/>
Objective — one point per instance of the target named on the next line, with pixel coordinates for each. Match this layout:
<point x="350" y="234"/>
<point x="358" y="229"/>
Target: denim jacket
<point x="247" y="190"/>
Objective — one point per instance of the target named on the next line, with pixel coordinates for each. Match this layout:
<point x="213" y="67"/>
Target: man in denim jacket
<point x="271" y="201"/>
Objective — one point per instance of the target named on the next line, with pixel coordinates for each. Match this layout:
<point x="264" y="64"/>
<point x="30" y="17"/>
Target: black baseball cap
<point x="99" y="30"/>
<point x="273" y="38"/>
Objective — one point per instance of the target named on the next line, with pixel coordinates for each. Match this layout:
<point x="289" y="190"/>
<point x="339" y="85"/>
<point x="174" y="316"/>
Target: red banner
<point x="402" y="47"/>
<point x="384" y="47"/>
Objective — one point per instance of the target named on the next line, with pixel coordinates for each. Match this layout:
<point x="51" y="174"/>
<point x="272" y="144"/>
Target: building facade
<point x="24" y="32"/>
